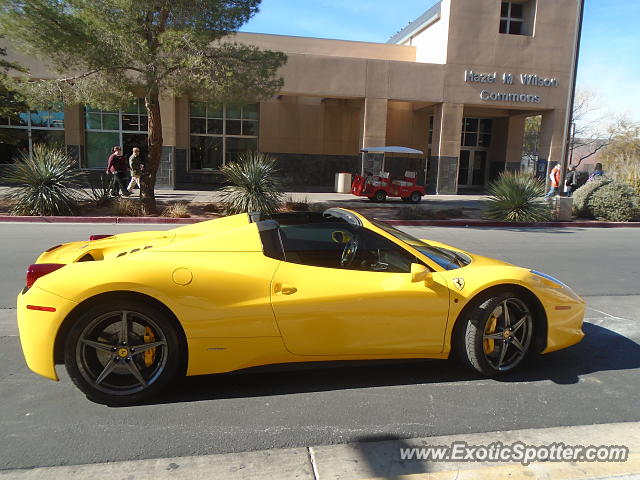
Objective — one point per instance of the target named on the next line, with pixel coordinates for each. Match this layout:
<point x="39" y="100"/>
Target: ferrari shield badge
<point x="459" y="283"/>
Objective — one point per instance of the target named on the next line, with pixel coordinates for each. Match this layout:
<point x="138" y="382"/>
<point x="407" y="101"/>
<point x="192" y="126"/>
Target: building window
<point x="220" y="132"/>
<point x="516" y="18"/>
<point x="476" y="132"/>
<point x="20" y="133"/>
<point x="105" y="129"/>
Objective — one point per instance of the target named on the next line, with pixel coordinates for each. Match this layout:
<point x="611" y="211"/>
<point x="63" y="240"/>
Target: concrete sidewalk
<point x="376" y="460"/>
<point x="344" y="199"/>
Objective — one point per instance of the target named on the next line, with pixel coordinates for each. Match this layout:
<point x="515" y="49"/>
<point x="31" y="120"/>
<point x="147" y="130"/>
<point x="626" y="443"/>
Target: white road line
<point x="609" y="315"/>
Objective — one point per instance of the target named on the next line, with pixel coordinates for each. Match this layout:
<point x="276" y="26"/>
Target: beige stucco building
<point x="457" y="83"/>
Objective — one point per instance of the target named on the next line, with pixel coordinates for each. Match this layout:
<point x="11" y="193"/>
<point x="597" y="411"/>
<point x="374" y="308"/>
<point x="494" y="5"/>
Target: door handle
<point x="284" y="289"/>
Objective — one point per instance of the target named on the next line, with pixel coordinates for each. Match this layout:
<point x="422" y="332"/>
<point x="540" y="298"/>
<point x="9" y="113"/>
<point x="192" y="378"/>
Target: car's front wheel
<point x="123" y="352"/>
<point x="496" y="335"/>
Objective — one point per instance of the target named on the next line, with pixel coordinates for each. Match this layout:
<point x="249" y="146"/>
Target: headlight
<point x="555" y="283"/>
<point x="550" y="278"/>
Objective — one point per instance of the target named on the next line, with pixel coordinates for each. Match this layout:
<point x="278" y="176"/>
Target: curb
<point x="27" y="219"/>
<point x="407" y="223"/>
<point x="380" y="460"/>
<point x="489" y="223"/>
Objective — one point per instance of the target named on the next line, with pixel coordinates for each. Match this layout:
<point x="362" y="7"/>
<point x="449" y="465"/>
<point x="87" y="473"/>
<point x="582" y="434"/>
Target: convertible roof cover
<point x="405" y="150"/>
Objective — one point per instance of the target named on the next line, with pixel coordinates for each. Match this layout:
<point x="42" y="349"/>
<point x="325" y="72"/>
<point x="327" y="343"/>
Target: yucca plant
<point x="46" y="183"/>
<point x="515" y="197"/>
<point x="254" y="184"/>
<point x="101" y="193"/>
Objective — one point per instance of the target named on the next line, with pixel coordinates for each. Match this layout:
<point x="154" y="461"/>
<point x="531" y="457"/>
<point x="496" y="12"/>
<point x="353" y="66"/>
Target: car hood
<point x="476" y="260"/>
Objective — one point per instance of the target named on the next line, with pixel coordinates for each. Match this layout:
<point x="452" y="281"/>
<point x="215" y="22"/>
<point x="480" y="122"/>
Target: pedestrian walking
<point x="554" y="179"/>
<point x="136" y="166"/>
<point x="571" y="182"/>
<point x="597" y="172"/>
<point x="117" y="166"/>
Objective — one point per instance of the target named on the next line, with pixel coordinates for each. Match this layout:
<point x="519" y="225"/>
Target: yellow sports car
<point x="128" y="313"/>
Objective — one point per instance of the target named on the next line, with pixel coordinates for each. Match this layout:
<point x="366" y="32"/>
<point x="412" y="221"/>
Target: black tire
<point x="379" y="197"/>
<point x="512" y="336"/>
<point x="415" y="197"/>
<point x="117" y="360"/>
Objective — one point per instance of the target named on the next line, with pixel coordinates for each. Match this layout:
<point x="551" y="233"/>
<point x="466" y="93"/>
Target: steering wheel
<point x="349" y="252"/>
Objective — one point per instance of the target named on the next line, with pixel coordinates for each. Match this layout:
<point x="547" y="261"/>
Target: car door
<point x="369" y="307"/>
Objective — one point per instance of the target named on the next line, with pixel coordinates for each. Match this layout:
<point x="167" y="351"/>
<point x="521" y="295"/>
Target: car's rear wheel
<point x="123" y="352"/>
<point x="496" y="335"/>
<point x="415" y="197"/>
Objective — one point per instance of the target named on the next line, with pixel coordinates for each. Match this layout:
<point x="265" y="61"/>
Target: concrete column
<point x="515" y="141"/>
<point x="183" y="125"/>
<point x="74" y="125"/>
<point x="445" y="149"/>
<point x="551" y="138"/>
<point x="169" y="120"/>
<point x="166" y="170"/>
<point x="74" y="131"/>
<point x="374" y="131"/>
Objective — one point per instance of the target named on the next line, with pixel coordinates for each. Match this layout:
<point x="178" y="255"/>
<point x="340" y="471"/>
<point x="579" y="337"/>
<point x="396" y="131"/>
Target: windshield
<point x="447" y="259"/>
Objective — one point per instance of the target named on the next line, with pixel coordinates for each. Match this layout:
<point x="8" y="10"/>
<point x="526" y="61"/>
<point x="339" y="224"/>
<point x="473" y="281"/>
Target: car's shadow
<point x="600" y="350"/>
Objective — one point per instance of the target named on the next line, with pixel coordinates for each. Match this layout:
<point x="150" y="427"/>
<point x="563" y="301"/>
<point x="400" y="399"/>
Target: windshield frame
<point x="444" y="258"/>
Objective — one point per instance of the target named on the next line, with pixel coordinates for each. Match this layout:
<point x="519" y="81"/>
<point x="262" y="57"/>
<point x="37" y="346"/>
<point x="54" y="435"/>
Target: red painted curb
<point x="489" y="223"/>
<point x="160" y="220"/>
<point x="408" y="223"/>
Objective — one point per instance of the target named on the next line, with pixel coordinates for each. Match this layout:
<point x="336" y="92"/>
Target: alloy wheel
<point x="507" y="334"/>
<point x="121" y="352"/>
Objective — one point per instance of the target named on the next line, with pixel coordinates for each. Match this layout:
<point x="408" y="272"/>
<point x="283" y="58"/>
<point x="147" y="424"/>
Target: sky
<point x="609" y="57"/>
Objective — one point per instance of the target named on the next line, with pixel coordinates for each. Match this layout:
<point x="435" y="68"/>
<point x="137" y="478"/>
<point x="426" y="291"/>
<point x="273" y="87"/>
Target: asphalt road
<point x="46" y="423"/>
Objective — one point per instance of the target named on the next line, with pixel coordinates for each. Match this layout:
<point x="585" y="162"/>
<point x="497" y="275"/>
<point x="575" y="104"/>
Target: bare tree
<point x="590" y="131"/>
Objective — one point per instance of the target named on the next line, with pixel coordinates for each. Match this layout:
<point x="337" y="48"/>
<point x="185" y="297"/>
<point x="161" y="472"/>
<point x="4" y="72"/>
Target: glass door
<point x="473" y="168"/>
<point x="463" y="170"/>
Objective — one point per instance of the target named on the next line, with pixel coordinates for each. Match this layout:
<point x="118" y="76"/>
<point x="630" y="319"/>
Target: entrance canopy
<point x="404" y="150"/>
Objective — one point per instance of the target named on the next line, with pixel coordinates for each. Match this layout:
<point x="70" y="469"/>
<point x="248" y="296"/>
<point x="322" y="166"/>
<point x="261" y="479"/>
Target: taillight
<point x="38" y="270"/>
<point x="98" y="237"/>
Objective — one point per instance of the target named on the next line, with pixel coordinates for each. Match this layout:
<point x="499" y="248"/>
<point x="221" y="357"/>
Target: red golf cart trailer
<point x="378" y="186"/>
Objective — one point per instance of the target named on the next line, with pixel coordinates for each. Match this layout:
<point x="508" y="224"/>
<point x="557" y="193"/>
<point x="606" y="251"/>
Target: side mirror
<point x="420" y="273"/>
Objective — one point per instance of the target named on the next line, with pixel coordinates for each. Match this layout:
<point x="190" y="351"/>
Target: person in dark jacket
<point x="571" y="182"/>
<point x="117" y="166"/>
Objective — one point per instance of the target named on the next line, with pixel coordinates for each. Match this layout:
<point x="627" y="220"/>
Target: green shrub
<point x="581" y="196"/>
<point x="46" y="183"/>
<point x="254" y="185"/>
<point x="515" y="197"/>
<point x="628" y="173"/>
<point x="614" y="202"/>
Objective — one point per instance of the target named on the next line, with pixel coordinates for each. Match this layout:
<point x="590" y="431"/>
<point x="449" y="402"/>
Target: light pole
<point x="568" y="127"/>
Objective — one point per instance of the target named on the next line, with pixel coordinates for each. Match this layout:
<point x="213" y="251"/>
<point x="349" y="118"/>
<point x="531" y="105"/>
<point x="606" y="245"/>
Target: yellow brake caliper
<point x="149" y="355"/>
<point x="489" y="343"/>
